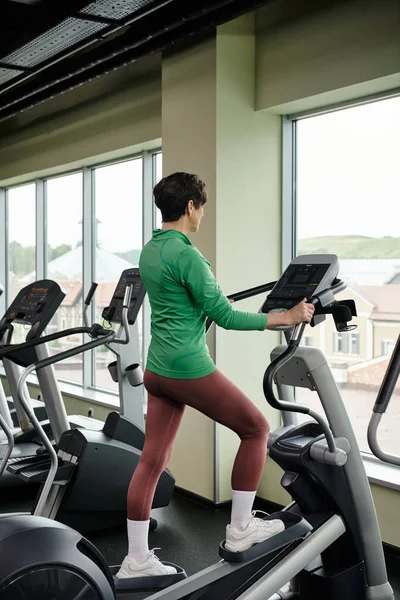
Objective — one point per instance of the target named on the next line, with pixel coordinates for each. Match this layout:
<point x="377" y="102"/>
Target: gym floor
<point x="189" y="534"/>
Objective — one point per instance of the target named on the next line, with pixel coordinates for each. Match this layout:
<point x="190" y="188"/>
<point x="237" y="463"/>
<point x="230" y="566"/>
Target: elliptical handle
<point x="128" y="296"/>
<point x="389" y="381"/>
<point x="249" y="293"/>
<point x="90" y="293"/>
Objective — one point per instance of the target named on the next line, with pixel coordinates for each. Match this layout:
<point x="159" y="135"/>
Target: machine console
<point x="35" y="305"/>
<point x="113" y="313"/>
<point x="305" y="277"/>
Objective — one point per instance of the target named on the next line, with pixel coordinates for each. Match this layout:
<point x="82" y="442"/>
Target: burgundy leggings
<point x="214" y="396"/>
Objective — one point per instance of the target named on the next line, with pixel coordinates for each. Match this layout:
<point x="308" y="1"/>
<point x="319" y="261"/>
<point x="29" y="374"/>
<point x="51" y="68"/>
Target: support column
<point x="210" y="127"/>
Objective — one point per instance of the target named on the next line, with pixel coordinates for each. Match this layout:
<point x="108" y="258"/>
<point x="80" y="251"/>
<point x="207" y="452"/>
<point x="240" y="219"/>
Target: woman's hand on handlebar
<point x="303" y="312"/>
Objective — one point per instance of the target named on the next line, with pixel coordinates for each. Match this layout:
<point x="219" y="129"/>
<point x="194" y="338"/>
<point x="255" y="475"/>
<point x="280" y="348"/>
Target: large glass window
<point x="348" y="204"/>
<point x="89" y="227"/>
<point x="65" y="263"/>
<point x="118" y="191"/>
<point x="21" y="210"/>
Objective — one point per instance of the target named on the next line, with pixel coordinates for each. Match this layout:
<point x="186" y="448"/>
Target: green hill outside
<point x="351" y="246"/>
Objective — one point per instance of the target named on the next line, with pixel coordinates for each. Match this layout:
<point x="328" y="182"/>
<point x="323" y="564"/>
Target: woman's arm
<point x="194" y="272"/>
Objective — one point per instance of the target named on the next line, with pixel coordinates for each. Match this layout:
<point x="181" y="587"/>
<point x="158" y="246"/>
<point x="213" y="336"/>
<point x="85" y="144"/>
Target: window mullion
<point x="289" y="225"/>
<point x="41" y="229"/>
<point x="3" y="249"/>
<point x="88" y="247"/>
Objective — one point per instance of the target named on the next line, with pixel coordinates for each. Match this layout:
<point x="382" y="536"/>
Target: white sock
<point x="138" y="532"/>
<point x="242" y="503"/>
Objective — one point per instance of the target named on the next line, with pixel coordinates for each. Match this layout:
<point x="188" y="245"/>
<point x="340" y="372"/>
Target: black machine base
<point x="330" y="584"/>
<point x="45" y="559"/>
<point x="158" y="582"/>
<point x="296" y="527"/>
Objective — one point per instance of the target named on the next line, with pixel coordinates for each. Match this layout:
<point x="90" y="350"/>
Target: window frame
<point x="289" y="203"/>
<point x="88" y="243"/>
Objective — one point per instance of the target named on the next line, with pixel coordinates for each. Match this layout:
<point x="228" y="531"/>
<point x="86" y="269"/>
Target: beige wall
<point x="308" y="56"/>
<point x="387" y="508"/>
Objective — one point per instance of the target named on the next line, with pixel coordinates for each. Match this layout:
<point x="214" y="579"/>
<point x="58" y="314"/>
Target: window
<point x="21" y="211"/>
<point x="354" y="343"/>
<point x="387" y="347"/>
<point x="339" y="342"/>
<point x="158" y="176"/>
<point x="76" y="228"/>
<point x="346" y="203"/>
<point x="346" y="343"/>
<point x="64" y="264"/>
<point x="118" y="191"/>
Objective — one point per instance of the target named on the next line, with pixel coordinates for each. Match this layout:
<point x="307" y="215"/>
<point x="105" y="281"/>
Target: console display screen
<point x="299" y="281"/>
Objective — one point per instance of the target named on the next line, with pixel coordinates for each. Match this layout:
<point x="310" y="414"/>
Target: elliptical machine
<point x="9" y="408"/>
<point x="90" y="460"/>
<point x="34" y="307"/>
<point x="331" y="547"/>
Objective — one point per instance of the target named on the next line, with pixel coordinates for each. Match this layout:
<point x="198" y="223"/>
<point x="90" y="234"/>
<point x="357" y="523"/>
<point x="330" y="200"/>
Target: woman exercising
<point x="183" y="293"/>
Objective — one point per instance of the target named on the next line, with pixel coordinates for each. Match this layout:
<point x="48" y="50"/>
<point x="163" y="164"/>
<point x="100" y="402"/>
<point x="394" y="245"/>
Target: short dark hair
<point x="173" y="193"/>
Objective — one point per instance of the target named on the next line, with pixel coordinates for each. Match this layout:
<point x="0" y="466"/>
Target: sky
<point x="118" y="194"/>
<point x="349" y="172"/>
<point x="348" y="183"/>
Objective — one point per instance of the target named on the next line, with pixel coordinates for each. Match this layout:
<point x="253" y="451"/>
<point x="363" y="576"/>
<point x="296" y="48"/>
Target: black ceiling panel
<point x="7" y="74"/>
<point x="115" y="9"/>
<point x="61" y="37"/>
<point x="48" y="47"/>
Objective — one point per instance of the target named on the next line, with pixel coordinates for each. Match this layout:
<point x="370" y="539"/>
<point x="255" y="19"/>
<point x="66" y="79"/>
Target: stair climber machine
<point x="34" y="307"/>
<point x="331" y="547"/>
<point x="382" y="402"/>
<point x="94" y="467"/>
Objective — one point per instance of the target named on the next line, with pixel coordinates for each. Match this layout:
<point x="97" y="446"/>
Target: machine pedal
<point x="296" y="528"/>
<point x="16" y="465"/>
<point x="39" y="475"/>
<point x="36" y="472"/>
<point x="157" y="582"/>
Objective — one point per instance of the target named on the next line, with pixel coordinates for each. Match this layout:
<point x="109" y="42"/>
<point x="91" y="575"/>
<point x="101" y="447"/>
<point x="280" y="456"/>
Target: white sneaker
<point x="258" y="530"/>
<point x="150" y="567"/>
